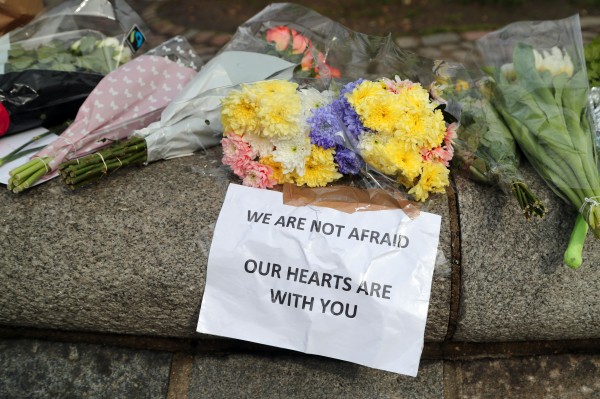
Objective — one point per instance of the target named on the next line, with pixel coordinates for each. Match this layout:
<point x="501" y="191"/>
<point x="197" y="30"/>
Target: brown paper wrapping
<point x="15" y="13"/>
<point x="348" y="199"/>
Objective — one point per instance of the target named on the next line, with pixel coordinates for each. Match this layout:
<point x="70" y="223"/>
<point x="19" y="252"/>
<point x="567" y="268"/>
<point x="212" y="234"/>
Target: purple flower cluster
<point x="351" y="119"/>
<point x="349" y="162"/>
<point x="328" y="125"/>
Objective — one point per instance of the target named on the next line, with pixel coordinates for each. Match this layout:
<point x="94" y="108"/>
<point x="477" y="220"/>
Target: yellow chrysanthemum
<point x="278" y="174"/>
<point x="239" y="112"/>
<point x="372" y="149"/>
<point x="424" y="129"/>
<point x="278" y="87"/>
<point x="389" y="155"/>
<point x="367" y="90"/>
<point x="434" y="179"/>
<point x="382" y="113"/>
<point x="279" y="115"/>
<point x="409" y="162"/>
<point x="320" y="168"/>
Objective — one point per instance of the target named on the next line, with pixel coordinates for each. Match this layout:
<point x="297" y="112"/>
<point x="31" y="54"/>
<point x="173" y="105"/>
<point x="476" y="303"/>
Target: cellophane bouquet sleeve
<point x="541" y="90"/>
<point x="49" y="66"/>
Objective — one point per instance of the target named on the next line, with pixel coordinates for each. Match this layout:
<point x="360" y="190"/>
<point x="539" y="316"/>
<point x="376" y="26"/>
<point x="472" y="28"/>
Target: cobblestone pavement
<point x="450" y="46"/>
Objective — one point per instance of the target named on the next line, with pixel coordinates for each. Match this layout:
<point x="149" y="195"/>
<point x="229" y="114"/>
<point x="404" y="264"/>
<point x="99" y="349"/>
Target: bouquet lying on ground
<point x="541" y="91"/>
<point x="266" y="128"/>
<point x="397" y="128"/>
<point x="486" y="151"/>
<point x="56" y="60"/>
<point x="190" y="122"/>
<point x="193" y="120"/>
<point x="277" y="134"/>
<point x="128" y="98"/>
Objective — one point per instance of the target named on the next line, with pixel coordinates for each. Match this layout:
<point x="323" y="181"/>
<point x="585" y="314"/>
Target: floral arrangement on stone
<point x="396" y="127"/>
<point x="541" y="90"/>
<point x="267" y="136"/>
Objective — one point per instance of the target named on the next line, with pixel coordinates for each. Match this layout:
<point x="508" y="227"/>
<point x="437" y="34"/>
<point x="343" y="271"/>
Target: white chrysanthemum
<point x="292" y="154"/>
<point x="262" y="145"/>
<point x="313" y="98"/>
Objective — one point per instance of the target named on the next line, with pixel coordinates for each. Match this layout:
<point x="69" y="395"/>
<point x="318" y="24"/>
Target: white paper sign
<point x="348" y="286"/>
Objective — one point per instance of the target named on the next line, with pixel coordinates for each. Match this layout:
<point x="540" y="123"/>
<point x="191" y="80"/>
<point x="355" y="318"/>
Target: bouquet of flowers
<point x="266" y="136"/>
<point x="541" y="91"/>
<point x="296" y="34"/>
<point x="396" y="127"/>
<point x="55" y="61"/>
<point x="290" y="44"/>
<point x="128" y="98"/>
<point x="485" y="149"/>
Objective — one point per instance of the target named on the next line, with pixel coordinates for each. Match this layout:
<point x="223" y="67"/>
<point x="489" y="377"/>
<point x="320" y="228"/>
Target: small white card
<point x="354" y="287"/>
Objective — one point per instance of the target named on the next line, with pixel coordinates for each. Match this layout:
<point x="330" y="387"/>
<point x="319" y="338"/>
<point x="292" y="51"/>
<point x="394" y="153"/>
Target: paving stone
<point x="122" y="256"/>
<point x="449" y="47"/>
<point x="251" y="376"/>
<point x="220" y="40"/>
<point x="38" y="369"/>
<point x="162" y="27"/>
<point x="203" y="50"/>
<point x="473" y="35"/>
<point x="589" y="22"/>
<point x="588" y="36"/>
<point x="514" y="283"/>
<point x="440" y="38"/>
<point x="127" y="255"/>
<point x="408" y="41"/>
<point x="430" y="52"/>
<point x="203" y="37"/>
<point x="548" y="377"/>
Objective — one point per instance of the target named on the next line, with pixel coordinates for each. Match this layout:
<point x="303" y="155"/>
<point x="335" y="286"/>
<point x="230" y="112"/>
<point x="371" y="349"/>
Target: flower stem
<point x="91" y="168"/>
<point x="573" y="254"/>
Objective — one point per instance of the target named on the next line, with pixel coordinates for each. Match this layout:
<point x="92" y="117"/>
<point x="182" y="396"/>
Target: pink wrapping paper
<point x="127" y="99"/>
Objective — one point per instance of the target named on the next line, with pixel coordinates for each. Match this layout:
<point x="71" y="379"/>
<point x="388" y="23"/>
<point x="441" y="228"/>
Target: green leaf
<point x="87" y="45"/>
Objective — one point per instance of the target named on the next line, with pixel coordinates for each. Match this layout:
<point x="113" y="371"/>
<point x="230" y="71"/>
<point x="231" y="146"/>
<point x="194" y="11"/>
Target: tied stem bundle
<point x="83" y="171"/>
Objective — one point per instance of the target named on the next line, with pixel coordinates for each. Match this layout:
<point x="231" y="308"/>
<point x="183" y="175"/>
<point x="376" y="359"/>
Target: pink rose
<point x="299" y="43"/>
<point x="280" y="36"/>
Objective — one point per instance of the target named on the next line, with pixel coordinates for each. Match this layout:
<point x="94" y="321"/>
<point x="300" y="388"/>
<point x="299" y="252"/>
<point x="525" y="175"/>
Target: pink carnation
<point x="451" y="134"/>
<point x="280" y="36"/>
<point x="237" y="154"/>
<point x="258" y="175"/>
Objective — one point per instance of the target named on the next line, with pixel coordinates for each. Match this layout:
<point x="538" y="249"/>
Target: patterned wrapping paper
<point x="127" y="99"/>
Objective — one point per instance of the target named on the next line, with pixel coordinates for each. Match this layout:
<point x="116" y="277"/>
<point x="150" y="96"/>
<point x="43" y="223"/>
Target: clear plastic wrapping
<point x="541" y="91"/>
<point x="49" y="66"/>
<point x="126" y="99"/>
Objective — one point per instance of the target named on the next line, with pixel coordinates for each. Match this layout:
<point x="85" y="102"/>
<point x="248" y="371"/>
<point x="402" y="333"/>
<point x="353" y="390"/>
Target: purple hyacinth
<point x="325" y="127"/>
<point x="348" y="161"/>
